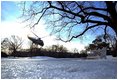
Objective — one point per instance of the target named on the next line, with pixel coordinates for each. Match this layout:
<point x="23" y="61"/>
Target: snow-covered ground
<point x="61" y="68"/>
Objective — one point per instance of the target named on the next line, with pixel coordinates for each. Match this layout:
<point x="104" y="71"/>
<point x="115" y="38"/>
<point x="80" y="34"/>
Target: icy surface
<point x="53" y="68"/>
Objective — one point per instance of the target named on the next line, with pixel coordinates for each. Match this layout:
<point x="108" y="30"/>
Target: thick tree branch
<point x="94" y="8"/>
<point x="99" y="15"/>
<point x="99" y="22"/>
<point x="51" y="6"/>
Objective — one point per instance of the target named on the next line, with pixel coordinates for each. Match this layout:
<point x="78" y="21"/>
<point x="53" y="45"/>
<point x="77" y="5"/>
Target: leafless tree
<point x="72" y="18"/>
<point x="57" y="48"/>
<point x="75" y="50"/>
<point x="13" y="44"/>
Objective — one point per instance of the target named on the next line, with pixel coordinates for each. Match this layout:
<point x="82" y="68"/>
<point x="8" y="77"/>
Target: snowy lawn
<point x="61" y="68"/>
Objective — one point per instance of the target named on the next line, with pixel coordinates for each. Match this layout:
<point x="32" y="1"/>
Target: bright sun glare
<point x="15" y="28"/>
<point x="10" y="26"/>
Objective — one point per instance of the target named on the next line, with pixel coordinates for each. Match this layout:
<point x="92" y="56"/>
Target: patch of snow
<point x="59" y="68"/>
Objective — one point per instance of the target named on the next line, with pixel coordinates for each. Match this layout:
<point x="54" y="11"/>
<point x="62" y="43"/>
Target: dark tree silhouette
<point x="74" y="18"/>
<point x="15" y="43"/>
<point x="57" y="48"/>
<point x="111" y="39"/>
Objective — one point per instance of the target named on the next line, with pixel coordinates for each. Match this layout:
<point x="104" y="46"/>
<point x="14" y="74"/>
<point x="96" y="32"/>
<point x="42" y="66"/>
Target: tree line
<point x="13" y="47"/>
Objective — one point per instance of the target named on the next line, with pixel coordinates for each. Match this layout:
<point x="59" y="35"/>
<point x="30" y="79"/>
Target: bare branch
<point x="66" y="11"/>
<point x="79" y="34"/>
<point x="68" y="14"/>
<point x="94" y="8"/>
<point x="39" y="18"/>
<point x="99" y="15"/>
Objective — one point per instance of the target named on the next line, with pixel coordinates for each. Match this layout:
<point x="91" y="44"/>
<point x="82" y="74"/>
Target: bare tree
<point x="57" y="48"/>
<point x="72" y="18"/>
<point x="14" y="43"/>
<point x="75" y="50"/>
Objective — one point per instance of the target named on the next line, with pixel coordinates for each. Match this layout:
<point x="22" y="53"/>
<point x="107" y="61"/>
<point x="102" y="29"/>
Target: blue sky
<point x="10" y="13"/>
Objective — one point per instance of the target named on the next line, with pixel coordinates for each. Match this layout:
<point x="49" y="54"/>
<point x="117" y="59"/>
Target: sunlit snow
<point x="58" y="68"/>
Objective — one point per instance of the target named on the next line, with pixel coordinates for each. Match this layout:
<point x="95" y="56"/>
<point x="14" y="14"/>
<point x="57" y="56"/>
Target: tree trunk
<point x="111" y="8"/>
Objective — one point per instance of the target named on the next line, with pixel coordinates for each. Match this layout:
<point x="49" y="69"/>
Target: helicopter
<point x="37" y="41"/>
